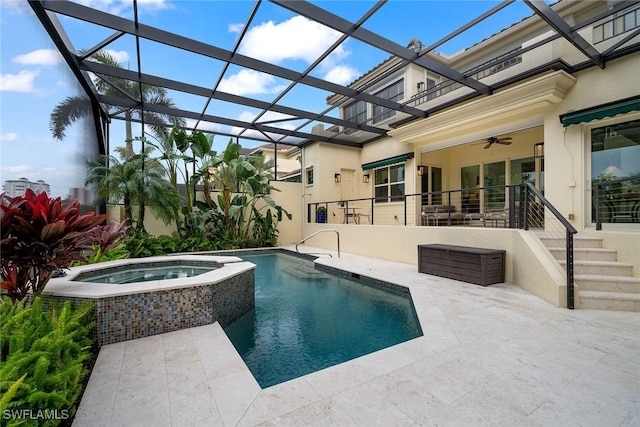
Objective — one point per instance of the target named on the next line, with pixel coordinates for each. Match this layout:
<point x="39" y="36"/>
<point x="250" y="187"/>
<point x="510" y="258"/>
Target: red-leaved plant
<point x="38" y="235"/>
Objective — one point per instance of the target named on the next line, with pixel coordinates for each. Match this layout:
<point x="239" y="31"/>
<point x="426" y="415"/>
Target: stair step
<point x="601" y="268"/>
<point x="556" y="241"/>
<point x="306" y="272"/>
<point x="619" y="301"/>
<point x="586" y="254"/>
<point x="592" y="282"/>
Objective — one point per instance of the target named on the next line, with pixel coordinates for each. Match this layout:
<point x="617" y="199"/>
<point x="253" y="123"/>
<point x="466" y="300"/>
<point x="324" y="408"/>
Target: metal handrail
<point x="569" y="232"/>
<point x="318" y="232"/>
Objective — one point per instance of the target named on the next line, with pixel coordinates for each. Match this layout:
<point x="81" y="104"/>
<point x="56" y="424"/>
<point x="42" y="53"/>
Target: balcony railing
<point x="513" y="206"/>
<point x="493" y="66"/>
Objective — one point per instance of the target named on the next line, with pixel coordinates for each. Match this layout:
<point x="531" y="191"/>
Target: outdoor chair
<point x="366" y="215"/>
<point x="439" y="215"/>
<point x="497" y="215"/>
<point x="469" y="218"/>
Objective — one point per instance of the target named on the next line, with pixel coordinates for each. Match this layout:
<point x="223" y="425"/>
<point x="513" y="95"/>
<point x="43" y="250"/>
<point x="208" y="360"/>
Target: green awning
<point x="388" y="161"/>
<point x="610" y="109"/>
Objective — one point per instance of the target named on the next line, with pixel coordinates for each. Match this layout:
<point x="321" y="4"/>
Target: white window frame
<point x="388" y="184"/>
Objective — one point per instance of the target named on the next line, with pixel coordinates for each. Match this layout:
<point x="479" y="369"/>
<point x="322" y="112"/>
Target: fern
<point x="43" y="357"/>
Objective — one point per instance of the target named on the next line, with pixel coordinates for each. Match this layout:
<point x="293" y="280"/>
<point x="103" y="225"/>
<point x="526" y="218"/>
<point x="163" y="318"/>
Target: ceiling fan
<point x="493" y="140"/>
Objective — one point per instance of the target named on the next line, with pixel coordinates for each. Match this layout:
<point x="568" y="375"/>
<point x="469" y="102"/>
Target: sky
<point x="34" y="79"/>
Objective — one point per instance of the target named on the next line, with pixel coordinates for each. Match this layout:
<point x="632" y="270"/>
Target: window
<point x="309" y="176"/>
<point x="393" y="92"/>
<point x="494" y="181"/>
<point x="523" y="170"/>
<point x="389" y="184"/>
<point x="615" y="156"/>
<point x="355" y="112"/>
<point x="470" y="180"/>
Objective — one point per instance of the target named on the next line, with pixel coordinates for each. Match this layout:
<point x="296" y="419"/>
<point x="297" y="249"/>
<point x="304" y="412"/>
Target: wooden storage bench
<point x="474" y="265"/>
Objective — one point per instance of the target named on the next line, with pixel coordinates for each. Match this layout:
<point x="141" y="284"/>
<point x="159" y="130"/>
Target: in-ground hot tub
<point x="159" y="294"/>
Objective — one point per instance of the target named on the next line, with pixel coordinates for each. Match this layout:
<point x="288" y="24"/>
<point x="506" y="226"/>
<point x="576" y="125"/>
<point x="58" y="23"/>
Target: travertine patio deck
<point x="489" y="356"/>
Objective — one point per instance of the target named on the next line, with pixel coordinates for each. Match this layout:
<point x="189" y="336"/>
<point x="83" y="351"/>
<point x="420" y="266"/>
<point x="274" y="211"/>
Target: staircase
<point x="603" y="282"/>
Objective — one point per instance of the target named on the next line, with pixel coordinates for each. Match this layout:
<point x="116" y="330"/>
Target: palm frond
<point x="68" y="111"/>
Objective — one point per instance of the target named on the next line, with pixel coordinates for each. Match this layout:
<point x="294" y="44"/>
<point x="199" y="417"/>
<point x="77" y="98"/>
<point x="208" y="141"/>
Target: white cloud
<point x="39" y="57"/>
<point x="11" y="136"/>
<point x="235" y="28"/>
<point x="298" y="38"/>
<point x="17" y="5"/>
<point x="117" y="7"/>
<point x="205" y="126"/>
<point x="19" y="169"/>
<point x="121" y="56"/>
<point x="249" y="82"/>
<point x="21" y="82"/>
<point x="341" y="75"/>
<point x="154" y="4"/>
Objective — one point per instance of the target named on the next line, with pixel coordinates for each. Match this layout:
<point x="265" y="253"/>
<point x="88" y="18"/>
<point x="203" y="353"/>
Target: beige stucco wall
<point x="290" y="198"/>
<point x="567" y="154"/>
<point x="533" y="269"/>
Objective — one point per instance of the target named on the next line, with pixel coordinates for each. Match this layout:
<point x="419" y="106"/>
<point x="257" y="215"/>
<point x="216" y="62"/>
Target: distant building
<point x="17" y="187"/>
<point x="81" y="194"/>
<point x="285" y="159"/>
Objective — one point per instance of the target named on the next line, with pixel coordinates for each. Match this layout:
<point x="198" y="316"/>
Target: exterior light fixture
<point x="420" y="170"/>
<point x="538" y="150"/>
<point x="365" y="178"/>
<point x="337" y="177"/>
<point x="420" y="86"/>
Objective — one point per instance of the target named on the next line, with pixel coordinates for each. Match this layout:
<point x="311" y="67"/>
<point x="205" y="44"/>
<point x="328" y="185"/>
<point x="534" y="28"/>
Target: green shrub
<point x="44" y="355"/>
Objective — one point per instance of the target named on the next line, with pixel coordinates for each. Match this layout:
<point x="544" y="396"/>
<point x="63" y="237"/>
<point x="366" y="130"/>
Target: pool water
<point x="306" y="319"/>
<point x="135" y="274"/>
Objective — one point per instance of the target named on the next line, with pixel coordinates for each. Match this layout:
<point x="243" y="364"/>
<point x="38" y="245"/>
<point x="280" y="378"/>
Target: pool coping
<point x="66" y="287"/>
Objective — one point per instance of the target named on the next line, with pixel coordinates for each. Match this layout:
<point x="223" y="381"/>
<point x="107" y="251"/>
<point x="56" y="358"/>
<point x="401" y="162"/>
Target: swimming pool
<point x="306" y="319"/>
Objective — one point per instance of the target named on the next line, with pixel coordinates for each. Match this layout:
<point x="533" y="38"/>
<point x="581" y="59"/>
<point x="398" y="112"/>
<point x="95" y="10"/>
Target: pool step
<point x="304" y="271"/>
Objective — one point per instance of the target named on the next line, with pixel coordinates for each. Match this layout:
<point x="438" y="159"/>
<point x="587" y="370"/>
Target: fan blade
<point x="488" y="145"/>
<point x="504" y="141"/>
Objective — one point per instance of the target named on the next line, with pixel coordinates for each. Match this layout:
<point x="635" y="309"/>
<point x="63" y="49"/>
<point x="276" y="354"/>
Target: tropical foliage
<point x="43" y="360"/>
<point x="137" y="181"/>
<point x="182" y="152"/>
<point x="39" y="235"/>
<point x="73" y="108"/>
<point x="244" y="208"/>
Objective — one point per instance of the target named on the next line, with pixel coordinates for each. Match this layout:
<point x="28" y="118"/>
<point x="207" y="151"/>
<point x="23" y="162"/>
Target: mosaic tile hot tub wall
<point x="127" y="317"/>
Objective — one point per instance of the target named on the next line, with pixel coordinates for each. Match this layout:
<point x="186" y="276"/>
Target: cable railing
<point x="557" y="231"/>
<point x="519" y="206"/>
<point x="491" y="206"/>
<point x="616" y="201"/>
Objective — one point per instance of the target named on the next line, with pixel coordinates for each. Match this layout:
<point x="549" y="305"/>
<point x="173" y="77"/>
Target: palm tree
<point x="139" y="181"/>
<point x="75" y="107"/>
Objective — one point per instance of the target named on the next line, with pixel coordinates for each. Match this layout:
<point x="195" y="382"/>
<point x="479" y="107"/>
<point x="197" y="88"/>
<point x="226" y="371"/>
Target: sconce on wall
<point x="365" y="178"/>
<point x="538" y="150"/>
<point x="420" y="170"/>
<point x="420" y="86"/>
<point x="337" y="177"/>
